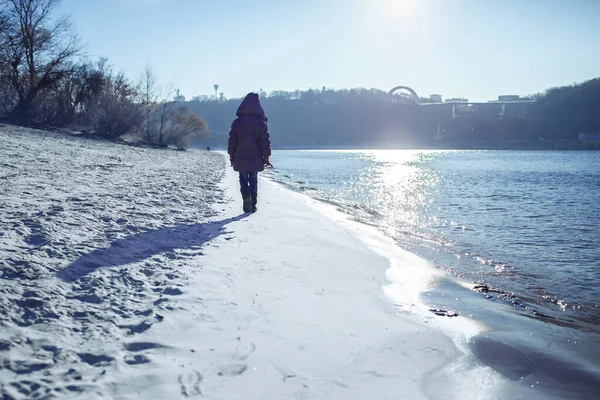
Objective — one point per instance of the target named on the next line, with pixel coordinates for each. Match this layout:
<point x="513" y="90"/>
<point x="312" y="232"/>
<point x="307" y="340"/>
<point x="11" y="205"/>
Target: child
<point x="249" y="147"/>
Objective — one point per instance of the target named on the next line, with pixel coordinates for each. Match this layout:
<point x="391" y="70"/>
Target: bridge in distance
<point x="455" y="104"/>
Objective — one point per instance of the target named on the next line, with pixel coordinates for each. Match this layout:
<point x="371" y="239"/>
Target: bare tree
<point x="76" y="92"/>
<point x="115" y="112"/>
<point x="148" y="90"/>
<point x="37" y="51"/>
<point x="201" y="98"/>
<point x="148" y="86"/>
<point x="160" y="105"/>
<point x="164" y="111"/>
<point x="7" y="93"/>
<point x="182" y="125"/>
<point x="170" y="123"/>
<point x="157" y="117"/>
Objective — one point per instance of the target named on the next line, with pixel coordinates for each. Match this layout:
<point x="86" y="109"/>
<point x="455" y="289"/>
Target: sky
<point x="477" y="49"/>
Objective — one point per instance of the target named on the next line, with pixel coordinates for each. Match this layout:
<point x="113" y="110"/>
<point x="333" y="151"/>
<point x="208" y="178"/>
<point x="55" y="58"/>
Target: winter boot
<point x="247" y="201"/>
<point x="254" y="200"/>
<point x="247" y="204"/>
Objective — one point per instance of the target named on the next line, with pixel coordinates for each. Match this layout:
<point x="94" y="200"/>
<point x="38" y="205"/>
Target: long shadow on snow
<point x="144" y="245"/>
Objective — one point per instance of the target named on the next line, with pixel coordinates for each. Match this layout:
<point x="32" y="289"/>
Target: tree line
<point x="45" y="81"/>
<point x="369" y="118"/>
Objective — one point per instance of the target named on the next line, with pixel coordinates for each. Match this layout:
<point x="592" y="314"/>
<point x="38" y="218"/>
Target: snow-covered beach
<point x="132" y="273"/>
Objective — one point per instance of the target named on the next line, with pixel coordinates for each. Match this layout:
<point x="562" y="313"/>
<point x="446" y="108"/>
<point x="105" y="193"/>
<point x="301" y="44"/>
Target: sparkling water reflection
<point x="526" y="223"/>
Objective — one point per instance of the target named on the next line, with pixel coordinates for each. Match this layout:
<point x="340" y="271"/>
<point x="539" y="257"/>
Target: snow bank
<point x="92" y="236"/>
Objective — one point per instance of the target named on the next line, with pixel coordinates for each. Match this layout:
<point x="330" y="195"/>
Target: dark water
<point x="524" y="223"/>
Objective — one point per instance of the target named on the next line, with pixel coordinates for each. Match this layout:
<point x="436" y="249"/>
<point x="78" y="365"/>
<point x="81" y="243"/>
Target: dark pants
<point x="249" y="183"/>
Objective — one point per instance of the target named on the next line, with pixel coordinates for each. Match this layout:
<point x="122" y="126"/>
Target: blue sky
<point x="470" y="48"/>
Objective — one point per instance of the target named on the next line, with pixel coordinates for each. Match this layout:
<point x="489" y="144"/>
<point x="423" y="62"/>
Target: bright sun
<point x="402" y="7"/>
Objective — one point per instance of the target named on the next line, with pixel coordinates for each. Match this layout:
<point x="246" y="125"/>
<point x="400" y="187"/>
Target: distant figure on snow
<point x="249" y="147"/>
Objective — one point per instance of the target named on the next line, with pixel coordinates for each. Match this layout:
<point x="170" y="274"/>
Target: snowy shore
<point x="132" y="273"/>
<point x="92" y="239"/>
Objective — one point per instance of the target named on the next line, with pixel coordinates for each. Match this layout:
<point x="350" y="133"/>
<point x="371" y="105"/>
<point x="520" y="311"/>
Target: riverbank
<point x="132" y="273"/>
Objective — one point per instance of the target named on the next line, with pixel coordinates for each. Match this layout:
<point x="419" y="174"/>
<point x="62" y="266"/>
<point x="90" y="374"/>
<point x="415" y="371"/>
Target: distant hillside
<point x="367" y="118"/>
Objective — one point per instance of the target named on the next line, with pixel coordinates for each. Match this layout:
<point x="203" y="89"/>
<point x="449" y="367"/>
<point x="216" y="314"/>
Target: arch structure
<point x="409" y="89"/>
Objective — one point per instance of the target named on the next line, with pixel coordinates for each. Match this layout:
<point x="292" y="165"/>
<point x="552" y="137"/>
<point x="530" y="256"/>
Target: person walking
<point x="249" y="147"/>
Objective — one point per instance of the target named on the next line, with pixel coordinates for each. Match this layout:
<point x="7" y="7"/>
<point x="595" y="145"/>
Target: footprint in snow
<point x="190" y="383"/>
<point x="232" y="370"/>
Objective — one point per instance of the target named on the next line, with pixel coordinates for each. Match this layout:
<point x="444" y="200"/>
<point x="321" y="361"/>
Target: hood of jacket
<point x="251" y="106"/>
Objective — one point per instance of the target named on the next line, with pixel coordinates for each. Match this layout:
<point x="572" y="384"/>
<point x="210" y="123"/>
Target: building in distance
<point x="435" y="98"/>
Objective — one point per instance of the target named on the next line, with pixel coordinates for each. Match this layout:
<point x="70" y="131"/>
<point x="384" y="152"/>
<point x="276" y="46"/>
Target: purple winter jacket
<point x="249" y="142"/>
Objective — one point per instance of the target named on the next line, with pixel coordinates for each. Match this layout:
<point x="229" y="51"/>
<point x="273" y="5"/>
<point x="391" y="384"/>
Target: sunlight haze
<point x="457" y="48"/>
